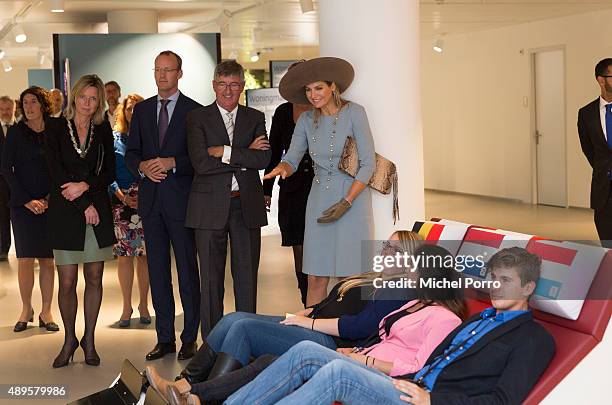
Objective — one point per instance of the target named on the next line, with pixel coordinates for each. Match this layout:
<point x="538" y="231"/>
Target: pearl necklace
<point x="82" y="152"/>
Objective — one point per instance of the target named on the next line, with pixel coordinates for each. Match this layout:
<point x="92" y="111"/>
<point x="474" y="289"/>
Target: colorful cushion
<point x="483" y="243"/>
<point x="449" y="236"/>
<point x="568" y="269"/>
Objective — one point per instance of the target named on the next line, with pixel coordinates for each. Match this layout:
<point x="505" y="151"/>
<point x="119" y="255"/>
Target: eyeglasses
<point x="165" y="70"/>
<point x="233" y="85"/>
<point x="84" y="99"/>
<point x="388" y="247"/>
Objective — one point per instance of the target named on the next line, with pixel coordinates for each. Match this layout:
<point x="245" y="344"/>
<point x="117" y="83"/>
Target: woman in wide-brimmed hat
<point x="339" y="211"/>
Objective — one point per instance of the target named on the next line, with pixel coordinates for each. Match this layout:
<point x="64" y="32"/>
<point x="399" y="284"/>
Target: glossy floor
<point x="26" y="357"/>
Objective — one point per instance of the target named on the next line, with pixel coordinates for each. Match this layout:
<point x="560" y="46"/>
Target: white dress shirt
<point x="602" y="115"/>
<point x="227" y="150"/>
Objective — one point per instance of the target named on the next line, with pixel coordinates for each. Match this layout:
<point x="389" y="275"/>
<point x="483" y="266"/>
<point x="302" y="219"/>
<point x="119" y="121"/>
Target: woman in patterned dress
<point x="128" y="225"/>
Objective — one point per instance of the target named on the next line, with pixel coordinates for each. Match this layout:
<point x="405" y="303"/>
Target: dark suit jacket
<point x="4" y="188"/>
<point x="209" y="200"/>
<point x="500" y="368"/>
<point x="143" y="144"/>
<point x="281" y="133"/>
<point x="66" y="219"/>
<point x="597" y="152"/>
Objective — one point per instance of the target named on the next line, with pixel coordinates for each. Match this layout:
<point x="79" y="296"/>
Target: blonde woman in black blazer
<point x="81" y="162"/>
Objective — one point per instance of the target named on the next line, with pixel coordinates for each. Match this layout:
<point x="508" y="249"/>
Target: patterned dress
<point x="128" y="224"/>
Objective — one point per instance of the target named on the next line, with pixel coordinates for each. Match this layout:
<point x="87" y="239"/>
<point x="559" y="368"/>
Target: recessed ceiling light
<point x="57" y="6"/>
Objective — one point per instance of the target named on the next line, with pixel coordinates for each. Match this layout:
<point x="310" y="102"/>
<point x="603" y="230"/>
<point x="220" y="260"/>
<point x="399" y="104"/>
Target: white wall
<point x="476" y="129"/>
<point x="13" y="82"/>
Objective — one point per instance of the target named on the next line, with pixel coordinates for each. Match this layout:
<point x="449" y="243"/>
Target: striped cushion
<point x="447" y="236"/>
<point x="481" y="242"/>
<point x="568" y="269"/>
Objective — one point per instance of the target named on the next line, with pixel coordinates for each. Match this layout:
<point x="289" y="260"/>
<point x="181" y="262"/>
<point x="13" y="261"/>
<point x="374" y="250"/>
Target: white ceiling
<point x="276" y="26"/>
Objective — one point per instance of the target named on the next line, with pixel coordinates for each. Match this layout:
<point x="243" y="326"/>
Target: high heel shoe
<point x="62" y="361"/>
<point x="91" y="356"/>
<point x="21" y="325"/>
<point x="125" y="323"/>
<point x="50" y="326"/>
<point x="146" y="319"/>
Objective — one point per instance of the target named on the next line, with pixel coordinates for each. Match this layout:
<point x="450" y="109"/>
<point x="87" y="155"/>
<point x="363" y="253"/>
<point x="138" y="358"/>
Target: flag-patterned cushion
<point x="568" y="269"/>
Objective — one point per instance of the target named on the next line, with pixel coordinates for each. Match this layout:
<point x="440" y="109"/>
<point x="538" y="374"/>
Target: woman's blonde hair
<point x="121" y="123"/>
<point x="339" y="102"/>
<point x="79" y="86"/>
<point x="408" y="243"/>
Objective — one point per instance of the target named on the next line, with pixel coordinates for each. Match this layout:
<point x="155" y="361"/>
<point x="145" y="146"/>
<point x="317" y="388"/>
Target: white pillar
<point x="132" y="22"/>
<point x="381" y="41"/>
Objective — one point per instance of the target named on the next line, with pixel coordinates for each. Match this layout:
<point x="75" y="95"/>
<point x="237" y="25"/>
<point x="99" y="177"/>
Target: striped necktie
<point x="229" y="126"/>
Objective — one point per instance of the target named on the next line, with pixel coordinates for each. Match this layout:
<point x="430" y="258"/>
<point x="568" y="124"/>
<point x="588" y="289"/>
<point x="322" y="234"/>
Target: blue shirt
<point x="124" y="178"/>
<point x="173" y="99"/>
<point x="470" y="334"/>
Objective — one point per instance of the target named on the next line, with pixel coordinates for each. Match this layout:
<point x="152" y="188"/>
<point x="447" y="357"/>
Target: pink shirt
<point x="413" y="338"/>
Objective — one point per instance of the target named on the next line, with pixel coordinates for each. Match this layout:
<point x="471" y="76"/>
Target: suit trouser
<point x="160" y="231"/>
<point x="603" y="222"/>
<point x="5" y="217"/>
<point x="245" y="245"/>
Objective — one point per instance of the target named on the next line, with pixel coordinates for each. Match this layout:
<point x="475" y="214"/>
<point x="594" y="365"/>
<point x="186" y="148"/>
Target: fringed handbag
<point x="384" y="178"/>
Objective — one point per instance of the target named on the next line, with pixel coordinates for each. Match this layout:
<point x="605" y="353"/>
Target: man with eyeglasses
<point x="157" y="151"/>
<point x="595" y="132"/>
<point x="228" y="146"/>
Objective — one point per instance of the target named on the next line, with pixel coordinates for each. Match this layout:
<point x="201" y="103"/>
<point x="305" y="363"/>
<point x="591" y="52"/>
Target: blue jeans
<point x="311" y="374"/>
<point x="242" y="335"/>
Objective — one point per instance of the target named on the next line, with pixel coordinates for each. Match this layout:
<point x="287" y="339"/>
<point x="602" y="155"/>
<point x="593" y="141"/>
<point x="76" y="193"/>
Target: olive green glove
<point x="334" y="212"/>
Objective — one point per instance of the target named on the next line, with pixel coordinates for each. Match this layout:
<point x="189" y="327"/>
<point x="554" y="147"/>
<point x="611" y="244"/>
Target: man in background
<point x="7" y="119"/>
<point x="113" y="94"/>
<point x="595" y="132"/>
<point x="57" y="102"/>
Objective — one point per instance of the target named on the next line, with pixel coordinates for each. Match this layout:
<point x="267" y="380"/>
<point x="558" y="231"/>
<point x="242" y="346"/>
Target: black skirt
<point x="30" y="233"/>
<point x="292" y="214"/>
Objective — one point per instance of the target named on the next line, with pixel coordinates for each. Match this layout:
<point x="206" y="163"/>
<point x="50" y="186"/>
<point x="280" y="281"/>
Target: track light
<point x="6" y="65"/>
<point x="223" y="20"/>
<point x="2" y="53"/>
<point x="307" y="6"/>
<point x="438" y="45"/>
<point x="20" y="35"/>
<point x="255" y="57"/>
<point x="57" y="6"/>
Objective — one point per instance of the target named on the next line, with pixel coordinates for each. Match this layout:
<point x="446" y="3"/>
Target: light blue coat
<point x="334" y="249"/>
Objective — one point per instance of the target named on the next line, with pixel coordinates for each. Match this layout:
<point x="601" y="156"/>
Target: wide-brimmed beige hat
<point x="329" y="69"/>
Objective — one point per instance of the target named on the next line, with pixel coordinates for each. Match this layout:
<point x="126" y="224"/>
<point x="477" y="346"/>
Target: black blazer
<point x="597" y="152"/>
<point x="500" y="368"/>
<point x="281" y="133"/>
<point x="143" y="144"/>
<point x="209" y="200"/>
<point x="66" y="219"/>
<point x="4" y="187"/>
<point x="24" y="165"/>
